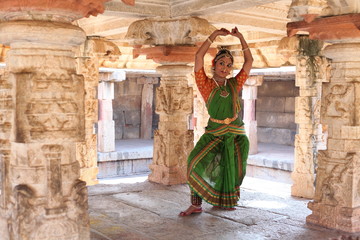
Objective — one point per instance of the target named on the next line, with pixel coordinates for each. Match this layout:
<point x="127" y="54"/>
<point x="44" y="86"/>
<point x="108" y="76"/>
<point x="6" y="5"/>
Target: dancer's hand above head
<point x="235" y="32"/>
<point x="222" y="32"/>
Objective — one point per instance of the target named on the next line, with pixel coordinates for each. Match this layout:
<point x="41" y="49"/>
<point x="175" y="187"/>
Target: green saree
<point x="217" y="164"/>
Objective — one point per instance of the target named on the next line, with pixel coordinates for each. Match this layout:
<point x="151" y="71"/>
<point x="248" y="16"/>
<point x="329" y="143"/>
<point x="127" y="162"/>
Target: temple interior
<point x="99" y="111"/>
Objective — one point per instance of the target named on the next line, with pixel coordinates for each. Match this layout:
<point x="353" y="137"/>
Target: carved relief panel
<point x="49" y="106"/>
<point x="174" y="100"/>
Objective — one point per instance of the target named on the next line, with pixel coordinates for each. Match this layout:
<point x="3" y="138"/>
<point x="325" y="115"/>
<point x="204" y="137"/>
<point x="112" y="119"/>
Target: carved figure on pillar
<point x="217" y="164"/>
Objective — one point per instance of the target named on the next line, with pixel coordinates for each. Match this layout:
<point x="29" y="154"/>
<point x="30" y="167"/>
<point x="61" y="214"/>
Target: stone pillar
<point x="175" y="41"/>
<point x="336" y="203"/>
<point x="94" y="51"/>
<point x="249" y="95"/>
<point x="311" y="71"/>
<point x="147" y="97"/>
<point x="106" y="124"/>
<point x="43" y="197"/>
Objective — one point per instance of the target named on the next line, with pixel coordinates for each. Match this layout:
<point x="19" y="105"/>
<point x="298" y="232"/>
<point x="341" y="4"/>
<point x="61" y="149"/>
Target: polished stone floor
<point x="133" y="208"/>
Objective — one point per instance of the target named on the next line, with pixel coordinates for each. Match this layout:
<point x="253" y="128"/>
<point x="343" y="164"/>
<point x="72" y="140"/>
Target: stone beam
<point x="105" y="25"/>
<point x="205" y="7"/>
<point x="250" y="23"/>
<point x="141" y="9"/>
<point x="344" y="27"/>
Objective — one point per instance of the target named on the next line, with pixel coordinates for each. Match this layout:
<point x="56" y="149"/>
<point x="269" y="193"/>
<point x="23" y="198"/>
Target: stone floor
<point x="133" y="208"/>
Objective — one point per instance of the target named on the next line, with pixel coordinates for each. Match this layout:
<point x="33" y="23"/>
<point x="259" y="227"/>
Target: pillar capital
<point x="342" y="52"/>
<point x="46" y="34"/>
<point x="183" y="31"/>
<point x="308" y="10"/>
<point x="68" y="11"/>
<point x="254" y="81"/>
<point x="168" y="54"/>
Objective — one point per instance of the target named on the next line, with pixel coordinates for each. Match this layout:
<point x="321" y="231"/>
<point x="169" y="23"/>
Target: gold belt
<point x="225" y="121"/>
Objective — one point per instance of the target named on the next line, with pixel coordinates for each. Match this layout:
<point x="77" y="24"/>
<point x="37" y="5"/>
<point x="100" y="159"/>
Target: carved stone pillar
<point x="249" y="95"/>
<point x="311" y="71"/>
<point x="175" y="47"/>
<point x="43" y="197"/>
<point x="147" y="97"/>
<point x="336" y="203"/>
<point x="173" y="140"/>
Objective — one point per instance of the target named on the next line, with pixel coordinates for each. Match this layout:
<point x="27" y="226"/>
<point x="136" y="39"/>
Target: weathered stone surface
<point x="174" y="31"/>
<point x="276" y="120"/>
<point x="277" y="89"/>
<point x="276" y="135"/>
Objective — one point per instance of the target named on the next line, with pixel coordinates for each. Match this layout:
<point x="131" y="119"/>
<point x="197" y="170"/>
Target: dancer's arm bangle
<point x="245" y="49"/>
<point x="209" y="40"/>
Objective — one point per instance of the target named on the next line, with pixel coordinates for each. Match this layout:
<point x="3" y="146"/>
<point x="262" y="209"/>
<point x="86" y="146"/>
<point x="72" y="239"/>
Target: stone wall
<point x="275" y="110"/>
<point x="127" y="109"/>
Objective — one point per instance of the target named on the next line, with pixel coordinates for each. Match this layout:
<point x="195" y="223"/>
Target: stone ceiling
<point x="263" y="22"/>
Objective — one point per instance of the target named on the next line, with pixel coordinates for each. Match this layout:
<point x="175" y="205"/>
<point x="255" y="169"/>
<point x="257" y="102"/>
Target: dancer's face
<point x="223" y="67"/>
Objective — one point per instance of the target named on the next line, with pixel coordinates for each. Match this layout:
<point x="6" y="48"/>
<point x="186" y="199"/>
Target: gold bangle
<point x="245" y="49"/>
<point x="209" y="40"/>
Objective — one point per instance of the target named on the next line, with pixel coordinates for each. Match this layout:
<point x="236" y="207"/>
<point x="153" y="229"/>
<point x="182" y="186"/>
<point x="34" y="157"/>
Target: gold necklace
<point x="223" y="92"/>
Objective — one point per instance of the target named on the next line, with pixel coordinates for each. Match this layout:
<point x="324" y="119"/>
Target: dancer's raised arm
<point x="248" y="59"/>
<point x="199" y="56"/>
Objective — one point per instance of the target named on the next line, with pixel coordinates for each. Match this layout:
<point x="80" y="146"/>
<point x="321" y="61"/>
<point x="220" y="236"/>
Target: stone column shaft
<point x="106" y="124"/>
<point x="307" y="116"/>
<point x="147" y="97"/>
<point x="336" y="203"/>
<point x="173" y="140"/>
<point x="249" y="95"/>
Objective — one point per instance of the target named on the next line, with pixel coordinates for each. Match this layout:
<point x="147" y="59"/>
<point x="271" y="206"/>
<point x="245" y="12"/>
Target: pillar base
<point x="303" y="185"/>
<point x="168" y="175"/>
<point x="334" y="217"/>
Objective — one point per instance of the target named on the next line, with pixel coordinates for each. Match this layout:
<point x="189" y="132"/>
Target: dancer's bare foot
<point x="192" y="209"/>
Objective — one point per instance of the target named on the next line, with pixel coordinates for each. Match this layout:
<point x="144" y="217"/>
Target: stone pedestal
<point x="42" y="120"/>
<point x="249" y="95"/>
<point x="336" y="203"/>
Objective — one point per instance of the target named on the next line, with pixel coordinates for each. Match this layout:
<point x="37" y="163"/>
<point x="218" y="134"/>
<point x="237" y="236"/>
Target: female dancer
<point x="217" y="164"/>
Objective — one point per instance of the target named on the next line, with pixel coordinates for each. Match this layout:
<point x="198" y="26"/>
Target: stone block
<point x="352" y="145"/>
<point x="141" y="166"/>
<point x="106" y="136"/>
<point x="105" y="109"/>
<point x="278" y="89"/>
<point x="132" y="88"/>
<point x="270" y="104"/>
<point x="276" y="120"/>
<point x="350" y="132"/>
<point x="249" y="92"/>
<point x="106" y="90"/>
<point x="276" y="135"/>
<point x="119" y="130"/>
<point x="336" y="144"/>
<point x="132" y="118"/>
<point x="131" y="132"/>
<point x="290" y="104"/>
<point x="127" y="103"/>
